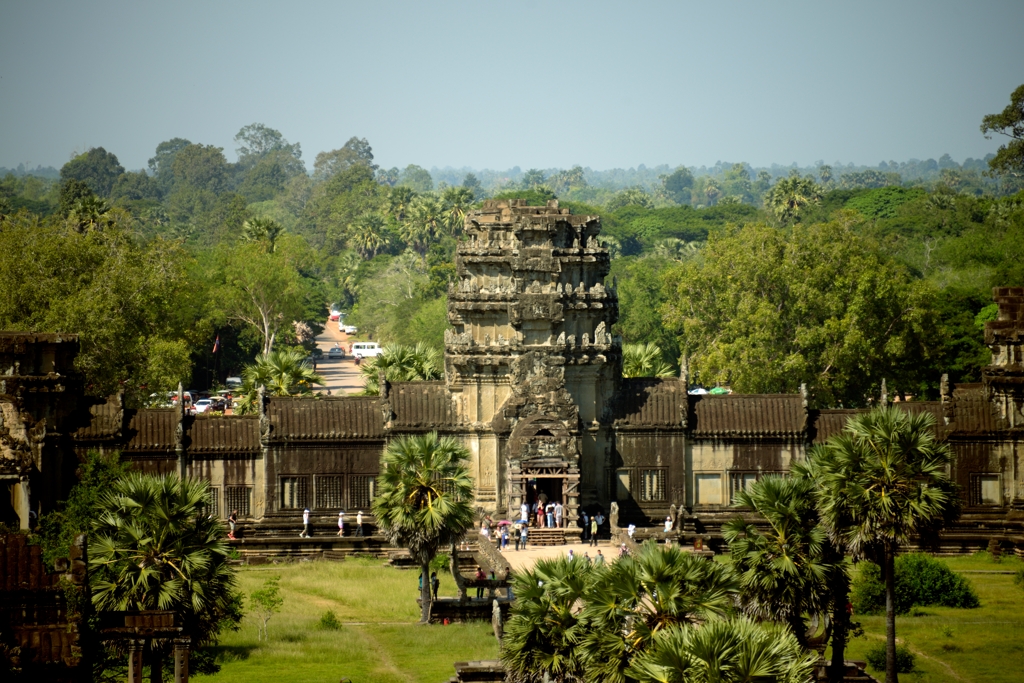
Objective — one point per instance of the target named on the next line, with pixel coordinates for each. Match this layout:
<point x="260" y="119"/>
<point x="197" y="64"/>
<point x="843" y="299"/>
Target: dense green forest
<point x="836" y="277"/>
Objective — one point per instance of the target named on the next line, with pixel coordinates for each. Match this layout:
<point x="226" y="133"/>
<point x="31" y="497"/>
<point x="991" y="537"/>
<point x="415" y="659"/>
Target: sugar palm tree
<point x="734" y="651"/>
<point x="782" y="570"/>
<point x="424" y="499"/>
<point x="284" y="372"/>
<point x="424" y="222"/>
<point x="644" y="360"/>
<point x="368" y="234"/>
<point x="884" y="480"/>
<point x="154" y="546"/>
<point x="456" y="201"/>
<point x="636" y="598"/>
<point x="790" y="195"/>
<point x="402" y="364"/>
<point x="545" y="626"/>
<point x="262" y="231"/>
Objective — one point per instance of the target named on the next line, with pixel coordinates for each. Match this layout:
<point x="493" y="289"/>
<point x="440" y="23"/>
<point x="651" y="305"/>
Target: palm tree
<point x="284" y="372"/>
<point x="790" y="195"/>
<point x="644" y="360"/>
<point x="782" y="570"/>
<point x="544" y="628"/>
<point x="424" y="222"/>
<point x="883" y="481"/>
<point x="368" y="234"/>
<point x="398" y="201"/>
<point x="155" y="546"/>
<point x="424" y="498"/>
<point x="635" y="599"/>
<point x="735" y="651"/>
<point x="402" y="364"/>
<point x="263" y="231"/>
<point x="456" y="201"/>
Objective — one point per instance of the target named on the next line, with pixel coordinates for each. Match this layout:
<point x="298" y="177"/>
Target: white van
<point x="365" y="350"/>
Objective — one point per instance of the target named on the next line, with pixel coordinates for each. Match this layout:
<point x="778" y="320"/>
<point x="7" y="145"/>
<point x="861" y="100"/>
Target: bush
<point x="329" y="621"/>
<point x="904" y="658"/>
<point x="921" y="581"/>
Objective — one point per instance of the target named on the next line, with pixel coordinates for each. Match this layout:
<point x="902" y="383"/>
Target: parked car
<point x="336" y="353"/>
<point x="202" y="405"/>
<point x="362" y="350"/>
<point x="350" y="329"/>
<point x="233" y="382"/>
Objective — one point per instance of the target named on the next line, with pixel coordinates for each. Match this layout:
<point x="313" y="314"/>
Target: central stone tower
<point x="531" y="362"/>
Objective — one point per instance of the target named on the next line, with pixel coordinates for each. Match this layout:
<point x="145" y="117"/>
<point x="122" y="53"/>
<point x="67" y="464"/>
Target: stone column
<point x="181" y="648"/>
<point x="135" y="660"/>
<point x="23" y="502"/>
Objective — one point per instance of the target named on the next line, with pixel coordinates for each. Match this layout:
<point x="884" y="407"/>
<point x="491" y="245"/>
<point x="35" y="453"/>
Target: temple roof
<point x="152" y="430"/>
<point x="749" y="415"/>
<point x="106" y="419"/>
<point x="646" y="402"/>
<point x="225" y="434"/>
<point x="421" y="405"/>
<point x="323" y="418"/>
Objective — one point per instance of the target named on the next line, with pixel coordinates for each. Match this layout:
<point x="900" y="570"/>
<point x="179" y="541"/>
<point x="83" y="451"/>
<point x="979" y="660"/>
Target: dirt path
<point x="341" y="377"/>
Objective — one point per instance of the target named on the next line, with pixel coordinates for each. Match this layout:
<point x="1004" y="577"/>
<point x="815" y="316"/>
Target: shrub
<point x="904" y="658"/>
<point x="921" y="581"/>
<point x="329" y="621"/>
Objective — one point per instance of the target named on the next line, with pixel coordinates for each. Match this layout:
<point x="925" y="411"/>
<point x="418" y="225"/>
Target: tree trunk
<point x="840" y="622"/>
<point x="425" y="593"/>
<point x="890" y="614"/>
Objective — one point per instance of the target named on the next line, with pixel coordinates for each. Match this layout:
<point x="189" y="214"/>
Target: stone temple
<point x="533" y="388"/>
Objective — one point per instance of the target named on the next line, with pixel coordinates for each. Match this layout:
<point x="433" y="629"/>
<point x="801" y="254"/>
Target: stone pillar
<point x="181" y="648"/>
<point x="135" y="660"/>
<point x="23" y="502"/>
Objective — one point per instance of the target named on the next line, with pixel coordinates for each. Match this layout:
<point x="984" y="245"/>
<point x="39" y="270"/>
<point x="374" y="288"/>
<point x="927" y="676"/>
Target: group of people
<point x="547" y="515"/>
<point x="515" y="533"/>
<point x="305" y="533"/>
<point x="597" y="559"/>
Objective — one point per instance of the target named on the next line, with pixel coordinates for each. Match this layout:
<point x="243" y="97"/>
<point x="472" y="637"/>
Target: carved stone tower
<point x="1004" y="377"/>
<point x="531" y="362"/>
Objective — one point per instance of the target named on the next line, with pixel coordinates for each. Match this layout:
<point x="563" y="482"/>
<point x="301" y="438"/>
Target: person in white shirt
<point x="305" y="524"/>
<point x="341" y="523"/>
<point x="668" y="524"/>
<point x="558" y="514"/>
<point x="631" y="529"/>
<point x="359" y="523"/>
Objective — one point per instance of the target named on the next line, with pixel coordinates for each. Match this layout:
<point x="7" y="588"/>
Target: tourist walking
<point x="305" y="524"/>
<point x="549" y="512"/>
<point x="599" y="559"/>
<point x="593" y="531"/>
<point x="524" y="512"/>
<point x="572" y="555"/>
<point x="522" y="534"/>
<point x="516" y="536"/>
<point x="359" y="523"/>
<point x="480" y="578"/>
<point x="435" y="583"/>
<point x="558" y="514"/>
<point x="232" y="521"/>
<point x="540" y="515"/>
<point x="341" y="523"/>
<point x="504" y="537"/>
<point x="631" y="529"/>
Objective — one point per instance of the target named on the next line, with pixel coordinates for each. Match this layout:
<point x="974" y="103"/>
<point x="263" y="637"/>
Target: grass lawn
<point x="955" y="645"/>
<point x="379" y="639"/>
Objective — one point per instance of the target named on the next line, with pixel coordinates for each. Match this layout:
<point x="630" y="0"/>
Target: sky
<point x="496" y="84"/>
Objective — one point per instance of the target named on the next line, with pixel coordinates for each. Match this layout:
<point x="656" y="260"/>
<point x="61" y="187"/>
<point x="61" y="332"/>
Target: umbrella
<point x="523" y="521"/>
<point x="504" y="522"/>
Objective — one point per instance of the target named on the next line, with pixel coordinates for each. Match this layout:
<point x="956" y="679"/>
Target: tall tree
<point x="782" y="568"/>
<point x="402" y="364"/>
<point x="788" y="197"/>
<point x="355" y="151"/>
<point x="283" y="372"/>
<point x="97" y="168"/>
<point x="200" y="167"/>
<point x="884" y="481"/>
<point x="769" y="310"/>
<point x="456" y="202"/>
<point x="262" y="232"/>
<point x="257" y="141"/>
<point x="154" y="546"/>
<point x="678" y="185"/>
<point x="162" y="162"/>
<point x="424" y="499"/>
<point x="417" y="178"/>
<point x="1009" y="122"/>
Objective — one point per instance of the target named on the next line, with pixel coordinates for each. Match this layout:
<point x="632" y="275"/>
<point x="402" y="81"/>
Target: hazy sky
<point x="493" y="84"/>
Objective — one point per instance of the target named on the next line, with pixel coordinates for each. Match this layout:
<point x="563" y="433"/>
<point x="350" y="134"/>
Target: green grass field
<point x="983" y="645"/>
<point x="379" y="640"/>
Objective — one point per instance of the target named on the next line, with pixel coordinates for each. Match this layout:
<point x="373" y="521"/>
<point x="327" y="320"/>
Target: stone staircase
<point x="545" y="537"/>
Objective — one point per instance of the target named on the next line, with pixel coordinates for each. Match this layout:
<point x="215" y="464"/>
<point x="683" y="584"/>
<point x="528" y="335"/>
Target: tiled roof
<point x="225" y="434"/>
<point x="421" y="405"/>
<point x="749" y="415"/>
<point x="972" y="411"/>
<point x="315" y="419"/>
<point x="832" y="422"/>
<point x="106" y="420"/>
<point x="152" y="429"/>
<point x="649" y="402"/>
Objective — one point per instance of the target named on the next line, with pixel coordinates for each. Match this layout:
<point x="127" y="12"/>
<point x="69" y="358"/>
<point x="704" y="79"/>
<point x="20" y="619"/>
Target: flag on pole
<point x="216" y="344"/>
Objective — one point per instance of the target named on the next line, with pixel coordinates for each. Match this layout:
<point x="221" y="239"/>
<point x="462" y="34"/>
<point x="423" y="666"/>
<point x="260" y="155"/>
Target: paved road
<point x="340" y="376"/>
